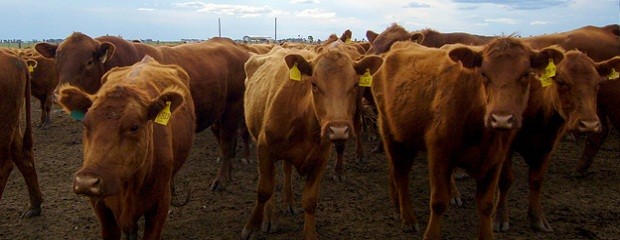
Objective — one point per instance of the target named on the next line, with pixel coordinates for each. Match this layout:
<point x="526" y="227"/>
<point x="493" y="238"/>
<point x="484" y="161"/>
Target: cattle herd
<point x="467" y="102"/>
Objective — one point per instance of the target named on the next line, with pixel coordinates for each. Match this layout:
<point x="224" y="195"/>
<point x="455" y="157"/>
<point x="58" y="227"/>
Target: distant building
<point x="251" y="40"/>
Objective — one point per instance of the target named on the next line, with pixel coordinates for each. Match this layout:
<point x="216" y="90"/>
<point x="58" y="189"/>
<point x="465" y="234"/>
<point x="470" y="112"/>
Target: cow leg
<point x="339" y="170"/>
<point x="24" y="160"/>
<point x="215" y="129"/>
<point x="6" y="166"/>
<point x="537" y="169"/>
<point x="440" y="176"/>
<point x="310" y="198"/>
<point x="109" y="226"/>
<point x="400" y="162"/>
<point x="266" y="184"/>
<point x="289" y="201"/>
<point x="245" y="136"/>
<point x="358" y="124"/>
<point x="594" y="142"/>
<point x="501" y="220"/>
<point x="485" y="195"/>
<point x="155" y="218"/>
<point x="229" y="125"/>
<point x="46" y="107"/>
<point x="454" y="191"/>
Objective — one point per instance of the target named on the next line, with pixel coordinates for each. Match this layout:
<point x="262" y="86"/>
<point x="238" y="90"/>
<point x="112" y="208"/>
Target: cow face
<point x="334" y="80"/>
<point x="507" y="67"/>
<point x="576" y="88"/>
<point x="79" y="60"/>
<point x="117" y="135"/>
<point x="381" y="43"/>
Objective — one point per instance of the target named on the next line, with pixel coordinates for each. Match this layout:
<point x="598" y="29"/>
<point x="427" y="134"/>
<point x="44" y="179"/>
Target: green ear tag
<point x="163" y="116"/>
<point x="614" y="75"/>
<point x="294" y="73"/>
<point x="545" y="79"/>
<point x="77" y="115"/>
<point x="366" y="79"/>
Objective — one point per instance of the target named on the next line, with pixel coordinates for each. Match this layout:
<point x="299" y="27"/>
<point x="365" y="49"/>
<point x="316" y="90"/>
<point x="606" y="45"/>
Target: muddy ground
<point x="357" y="209"/>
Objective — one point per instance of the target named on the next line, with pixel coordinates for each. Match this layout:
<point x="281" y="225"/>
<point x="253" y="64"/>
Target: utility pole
<point x="219" y="28"/>
<point x="275" y="30"/>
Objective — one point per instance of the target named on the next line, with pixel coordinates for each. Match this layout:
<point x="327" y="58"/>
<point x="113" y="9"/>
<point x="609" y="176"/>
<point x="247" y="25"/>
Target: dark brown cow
<point x="296" y="121"/>
<point x="44" y="81"/>
<point x="436" y="39"/>
<point x="215" y="68"/>
<point x="130" y="156"/>
<point x="15" y="148"/>
<point x="381" y="43"/>
<point x="568" y="104"/>
<point x="463" y="105"/>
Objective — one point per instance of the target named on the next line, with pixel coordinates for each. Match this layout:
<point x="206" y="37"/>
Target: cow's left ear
<point x="174" y="95"/>
<point x="371" y="63"/>
<point x="467" y="56"/>
<point x="417" y="37"/>
<point x="105" y="51"/>
<point x="540" y="59"/>
<point x="608" y="67"/>
<point x="46" y="49"/>
<point x="371" y="36"/>
<point x="74" y="101"/>
<point x="304" y="66"/>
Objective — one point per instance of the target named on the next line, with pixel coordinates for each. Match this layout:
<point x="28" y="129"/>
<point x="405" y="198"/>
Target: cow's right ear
<point x="46" y="49"/>
<point x="608" y="67"/>
<point x="371" y="36"/>
<point x="304" y="66"/>
<point x="105" y="51"/>
<point x="540" y="60"/>
<point x="467" y="56"/>
<point x="417" y="37"/>
<point x="74" y="101"/>
<point x="174" y="95"/>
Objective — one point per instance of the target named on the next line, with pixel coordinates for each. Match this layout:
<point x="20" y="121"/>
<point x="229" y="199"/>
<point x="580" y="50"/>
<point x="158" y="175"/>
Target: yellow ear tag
<point x="366" y="79"/>
<point x="163" y="116"/>
<point x="545" y="79"/>
<point x="348" y="40"/>
<point x="30" y="69"/>
<point x="294" y="73"/>
<point x="614" y="75"/>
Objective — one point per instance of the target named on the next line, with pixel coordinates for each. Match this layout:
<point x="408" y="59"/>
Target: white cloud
<point x="417" y="5"/>
<point x="315" y="13"/>
<point x="146" y="9"/>
<point x="304" y="1"/>
<point x="229" y="9"/>
<point x="540" y="23"/>
<point x="503" y="20"/>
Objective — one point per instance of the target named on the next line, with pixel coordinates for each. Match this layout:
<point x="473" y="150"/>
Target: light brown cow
<point x="296" y="121"/>
<point x="44" y="82"/>
<point x="215" y="68"/>
<point x="138" y="131"/>
<point x="463" y="105"/>
<point x="567" y="104"/>
<point x="15" y="148"/>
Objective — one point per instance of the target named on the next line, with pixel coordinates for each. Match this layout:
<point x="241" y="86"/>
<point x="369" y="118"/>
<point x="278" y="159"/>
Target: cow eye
<point x="314" y="87"/>
<point x="134" y="129"/>
<point x="562" y="85"/>
<point x="485" y="78"/>
<point x="90" y="62"/>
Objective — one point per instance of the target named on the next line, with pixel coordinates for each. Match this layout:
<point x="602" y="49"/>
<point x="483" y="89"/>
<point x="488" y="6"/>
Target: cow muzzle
<point x="88" y="183"/>
<point x="589" y="126"/>
<point x="338" y="131"/>
<point x="502" y="121"/>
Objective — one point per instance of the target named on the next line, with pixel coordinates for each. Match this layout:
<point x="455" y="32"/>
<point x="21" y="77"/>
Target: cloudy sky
<point x="176" y="19"/>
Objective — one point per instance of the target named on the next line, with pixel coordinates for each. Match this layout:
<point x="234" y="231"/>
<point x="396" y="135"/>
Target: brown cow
<point x="436" y="39"/>
<point x="215" y="68"/>
<point x="15" y="148"/>
<point x="44" y="82"/>
<point x="381" y="43"/>
<point x="130" y="156"/>
<point x="296" y="121"/>
<point x="464" y="114"/>
<point x="568" y="104"/>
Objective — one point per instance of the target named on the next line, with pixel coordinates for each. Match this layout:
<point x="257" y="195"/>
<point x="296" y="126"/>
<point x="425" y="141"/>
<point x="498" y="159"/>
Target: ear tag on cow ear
<point x="30" y="68"/>
<point x="294" y="73"/>
<point x="163" y="116"/>
<point x="366" y="79"/>
<point x="613" y="75"/>
<point x="545" y="79"/>
<point x="348" y="40"/>
<point x="77" y="115"/>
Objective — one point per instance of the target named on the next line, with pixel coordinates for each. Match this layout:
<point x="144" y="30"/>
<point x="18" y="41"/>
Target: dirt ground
<point x="357" y="209"/>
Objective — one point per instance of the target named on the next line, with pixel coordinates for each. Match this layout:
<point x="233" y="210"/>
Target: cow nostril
<point x="502" y="121"/>
<point x="588" y="125"/>
<point x="338" y="132"/>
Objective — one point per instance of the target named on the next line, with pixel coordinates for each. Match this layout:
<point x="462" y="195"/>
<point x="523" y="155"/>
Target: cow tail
<point x="28" y="142"/>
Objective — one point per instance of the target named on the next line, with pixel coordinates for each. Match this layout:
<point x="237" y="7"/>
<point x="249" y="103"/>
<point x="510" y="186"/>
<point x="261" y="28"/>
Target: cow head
<point x="118" y="131"/>
<point x="381" y="43"/>
<point x="333" y="79"/>
<point x="575" y="88"/>
<point x="507" y="67"/>
<point x="79" y="60"/>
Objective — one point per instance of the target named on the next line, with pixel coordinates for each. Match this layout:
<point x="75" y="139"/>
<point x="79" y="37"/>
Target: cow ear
<point x="347" y="34"/>
<point x="371" y="36"/>
<point x="468" y="57"/>
<point x="74" y="101"/>
<point x="371" y="63"/>
<point x="174" y="95"/>
<point x="609" y="68"/>
<point x="105" y="51"/>
<point x="304" y="66"/>
<point x="540" y="59"/>
<point x="46" y="49"/>
<point x="417" y="37"/>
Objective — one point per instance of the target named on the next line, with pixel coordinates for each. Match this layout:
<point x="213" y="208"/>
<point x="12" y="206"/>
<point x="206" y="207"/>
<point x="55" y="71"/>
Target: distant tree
<point x="310" y="38"/>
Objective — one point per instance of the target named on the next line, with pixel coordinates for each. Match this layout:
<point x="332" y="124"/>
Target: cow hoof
<point x="245" y="161"/>
<point x="291" y="211"/>
<point x="542" y="225"/>
<point x="410" y="227"/>
<point x="217" y="186"/>
<point x="501" y="226"/>
<point x="218" y="160"/>
<point x="339" y="179"/>
<point x="461" y="175"/>
<point x="32" y="212"/>
<point x="247" y="234"/>
<point x="456" y="201"/>
<point x="270" y="226"/>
